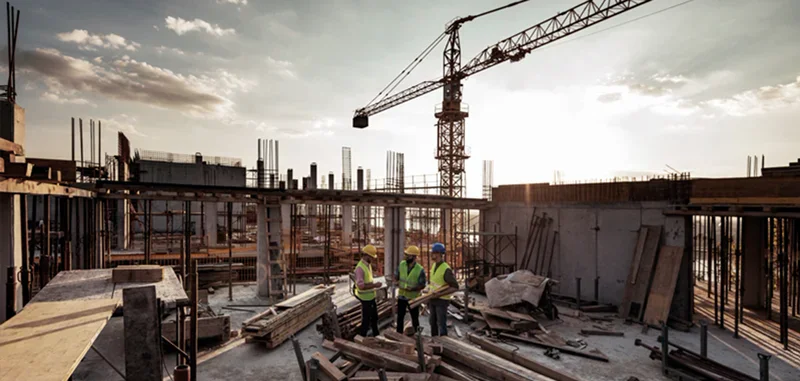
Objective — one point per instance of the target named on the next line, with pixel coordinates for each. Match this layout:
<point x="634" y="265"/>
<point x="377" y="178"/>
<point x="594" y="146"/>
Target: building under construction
<point x="212" y="256"/>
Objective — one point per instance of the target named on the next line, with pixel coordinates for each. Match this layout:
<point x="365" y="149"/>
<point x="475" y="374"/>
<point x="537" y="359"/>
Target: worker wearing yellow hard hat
<point x="411" y="280"/>
<point x="365" y="290"/>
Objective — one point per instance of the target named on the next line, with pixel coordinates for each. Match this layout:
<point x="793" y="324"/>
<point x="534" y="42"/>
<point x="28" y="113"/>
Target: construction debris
<point x="347" y="322"/>
<point x="277" y="324"/>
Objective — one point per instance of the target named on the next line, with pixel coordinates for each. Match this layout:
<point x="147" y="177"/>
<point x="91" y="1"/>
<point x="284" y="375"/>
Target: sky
<point x="698" y="86"/>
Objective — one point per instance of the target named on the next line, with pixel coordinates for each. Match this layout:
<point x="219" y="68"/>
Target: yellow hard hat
<point x="370" y="250"/>
<point x="412" y="250"/>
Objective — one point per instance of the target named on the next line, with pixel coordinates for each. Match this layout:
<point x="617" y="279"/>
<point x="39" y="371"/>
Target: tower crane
<point x="450" y="114"/>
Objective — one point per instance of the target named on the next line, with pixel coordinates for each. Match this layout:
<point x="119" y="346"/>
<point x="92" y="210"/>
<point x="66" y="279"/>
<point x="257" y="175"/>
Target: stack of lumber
<point x="278" y="323"/>
<point x="485" y="364"/>
<point x="349" y="320"/>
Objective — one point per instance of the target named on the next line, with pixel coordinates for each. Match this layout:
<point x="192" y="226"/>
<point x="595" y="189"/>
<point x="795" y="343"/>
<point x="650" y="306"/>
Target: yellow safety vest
<point x="408" y="281"/>
<point x="365" y="295"/>
<point x="437" y="278"/>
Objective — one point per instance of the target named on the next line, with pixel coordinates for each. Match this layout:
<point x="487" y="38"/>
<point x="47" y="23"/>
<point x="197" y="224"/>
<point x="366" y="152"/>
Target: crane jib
<point x="513" y="48"/>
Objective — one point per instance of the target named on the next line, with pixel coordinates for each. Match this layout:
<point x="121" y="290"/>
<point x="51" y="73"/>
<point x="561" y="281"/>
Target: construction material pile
<point x="393" y="356"/>
<point x="348" y="320"/>
<point x="278" y="323"/>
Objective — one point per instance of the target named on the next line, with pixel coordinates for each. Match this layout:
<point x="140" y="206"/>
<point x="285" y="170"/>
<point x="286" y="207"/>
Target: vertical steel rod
<point x="230" y="249"/>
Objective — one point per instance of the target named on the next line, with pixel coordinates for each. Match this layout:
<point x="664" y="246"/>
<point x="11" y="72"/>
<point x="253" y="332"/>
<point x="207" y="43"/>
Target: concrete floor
<point x="245" y="362"/>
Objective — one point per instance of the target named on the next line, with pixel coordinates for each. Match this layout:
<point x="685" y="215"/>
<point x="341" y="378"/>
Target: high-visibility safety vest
<point x="437" y="278"/>
<point x="365" y="295"/>
<point x="409" y="280"/>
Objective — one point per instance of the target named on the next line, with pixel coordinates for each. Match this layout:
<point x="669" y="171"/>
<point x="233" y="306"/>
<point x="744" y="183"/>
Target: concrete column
<point x="286" y="225"/>
<point x="268" y="243"/>
<point x="754" y="280"/>
<point x="123" y="224"/>
<point x="394" y="233"/>
<point x="10" y="247"/>
<point x="446" y="227"/>
<point x="211" y="210"/>
<point x="347" y="224"/>
<point x="312" y="219"/>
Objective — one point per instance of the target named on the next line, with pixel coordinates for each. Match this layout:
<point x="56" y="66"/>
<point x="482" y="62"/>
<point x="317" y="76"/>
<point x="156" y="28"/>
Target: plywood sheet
<point x="662" y="289"/>
<point x="638" y="283"/>
<point x="47" y="340"/>
<point x="97" y="284"/>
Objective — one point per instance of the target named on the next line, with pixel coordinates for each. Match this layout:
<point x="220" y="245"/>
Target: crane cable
<point x="617" y="25"/>
<point x="411" y="66"/>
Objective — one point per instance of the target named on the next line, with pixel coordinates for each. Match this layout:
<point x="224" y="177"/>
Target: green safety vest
<point x="409" y="280"/>
<point x="366" y="295"/>
<point x="437" y="278"/>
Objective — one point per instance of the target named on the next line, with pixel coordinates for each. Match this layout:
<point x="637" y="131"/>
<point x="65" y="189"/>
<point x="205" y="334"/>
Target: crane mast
<point x="451" y="152"/>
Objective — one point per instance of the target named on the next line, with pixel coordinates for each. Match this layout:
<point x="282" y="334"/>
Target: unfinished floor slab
<point x="242" y="361"/>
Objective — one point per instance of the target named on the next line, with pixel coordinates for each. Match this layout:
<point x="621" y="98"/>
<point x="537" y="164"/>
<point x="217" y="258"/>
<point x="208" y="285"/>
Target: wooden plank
<point x="9" y="146"/>
<point x="595" y="332"/>
<point x="375" y="359"/>
<point x="492" y="366"/>
<point x="514" y="356"/>
<point x="644" y="274"/>
<point x="455" y="373"/>
<point x="66" y="167"/>
<point x="637" y="255"/>
<point x="142" y="340"/>
<point x="496" y="324"/>
<point x="328" y="368"/>
<point x="446" y="290"/>
<point x="659" y="300"/>
<point x="137" y="274"/>
<point x="47" y="340"/>
<point x="305" y="296"/>
<point x="208" y="327"/>
<point x="594" y="354"/>
<point x="20" y="185"/>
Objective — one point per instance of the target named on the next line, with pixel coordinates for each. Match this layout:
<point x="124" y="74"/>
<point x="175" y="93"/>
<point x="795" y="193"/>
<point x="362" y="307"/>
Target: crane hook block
<point x="360" y="121"/>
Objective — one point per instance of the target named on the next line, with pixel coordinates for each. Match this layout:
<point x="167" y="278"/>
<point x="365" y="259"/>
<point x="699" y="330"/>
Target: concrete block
<point x="142" y="341"/>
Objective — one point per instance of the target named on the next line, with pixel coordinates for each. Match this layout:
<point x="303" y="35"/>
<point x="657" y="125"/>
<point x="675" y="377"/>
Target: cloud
<point x="161" y="49"/>
<point x="88" y="41"/>
<point x="281" y="68"/>
<point x="123" y="123"/>
<point x="238" y="2"/>
<point x="181" y="27"/>
<point x="127" y="79"/>
<point x="317" y="127"/>
<point x="758" y="101"/>
<point x="61" y="98"/>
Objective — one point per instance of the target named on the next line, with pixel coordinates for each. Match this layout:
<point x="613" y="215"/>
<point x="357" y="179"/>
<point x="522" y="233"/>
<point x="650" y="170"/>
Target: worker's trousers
<point x="402" y="305"/>
<point x="369" y="318"/>
<point x="438" y="316"/>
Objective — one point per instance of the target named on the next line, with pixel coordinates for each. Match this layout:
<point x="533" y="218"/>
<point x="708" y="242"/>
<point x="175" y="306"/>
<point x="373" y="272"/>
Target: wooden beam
<point x="328" y="368"/>
<point x="485" y="363"/>
<point x="416" y="302"/>
<point x="9" y="146"/>
<point x="374" y="358"/>
<point x="32" y="187"/>
<point x="517" y="358"/>
<point x="18" y="170"/>
<point x="137" y="274"/>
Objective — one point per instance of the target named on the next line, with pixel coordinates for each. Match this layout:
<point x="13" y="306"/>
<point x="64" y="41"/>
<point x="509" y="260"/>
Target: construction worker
<point x="441" y="276"/>
<point x="365" y="290"/>
<point x="411" y="280"/>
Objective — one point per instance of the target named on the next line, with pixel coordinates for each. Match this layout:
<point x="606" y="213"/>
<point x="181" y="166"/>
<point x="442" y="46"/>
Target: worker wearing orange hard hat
<point x="365" y="290"/>
<point x="411" y="280"/>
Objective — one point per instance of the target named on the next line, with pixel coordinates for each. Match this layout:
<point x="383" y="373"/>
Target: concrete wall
<point x="594" y="241"/>
<point x="191" y="174"/>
